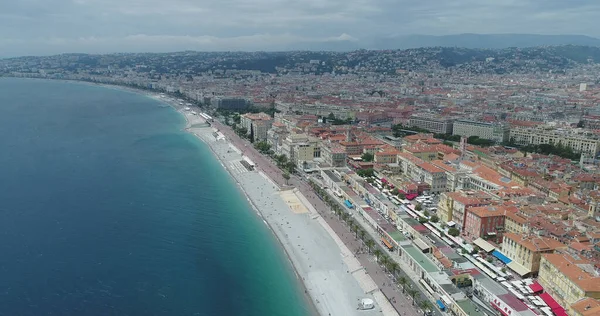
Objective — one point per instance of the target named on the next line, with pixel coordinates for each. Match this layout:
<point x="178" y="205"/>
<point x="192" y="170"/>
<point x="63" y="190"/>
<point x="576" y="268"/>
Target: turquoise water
<point x="108" y="208"/>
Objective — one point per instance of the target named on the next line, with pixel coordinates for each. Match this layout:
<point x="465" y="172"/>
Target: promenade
<point x="385" y="285"/>
<point x="319" y="261"/>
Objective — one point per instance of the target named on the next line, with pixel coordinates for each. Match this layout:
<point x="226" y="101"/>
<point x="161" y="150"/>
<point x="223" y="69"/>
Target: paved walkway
<point x="401" y="302"/>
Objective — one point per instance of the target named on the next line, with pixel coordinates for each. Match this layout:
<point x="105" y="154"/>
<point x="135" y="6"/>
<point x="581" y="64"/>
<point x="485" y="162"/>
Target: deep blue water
<point x="108" y="208"/>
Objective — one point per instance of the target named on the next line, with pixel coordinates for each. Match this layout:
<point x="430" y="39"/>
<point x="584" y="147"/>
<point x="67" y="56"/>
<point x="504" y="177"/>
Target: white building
<point x="492" y="131"/>
<point x="579" y="140"/>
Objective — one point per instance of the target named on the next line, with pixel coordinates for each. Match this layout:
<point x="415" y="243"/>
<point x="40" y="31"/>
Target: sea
<point x="108" y="207"/>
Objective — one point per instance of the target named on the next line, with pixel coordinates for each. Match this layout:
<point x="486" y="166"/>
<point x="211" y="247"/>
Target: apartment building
<point x="485" y="222"/>
<point x="515" y="223"/>
<point x="527" y="250"/>
<point x="568" y="279"/>
<point x="231" y="104"/>
<point x="453" y="205"/>
<point x="586" y="307"/>
<point x="300" y="147"/>
<point x="386" y="156"/>
<point x="433" y="176"/>
<point x="492" y="131"/>
<point x="276" y="135"/>
<point x="333" y="155"/>
<point x="257" y="124"/>
<point x="578" y="140"/>
<point x="431" y="123"/>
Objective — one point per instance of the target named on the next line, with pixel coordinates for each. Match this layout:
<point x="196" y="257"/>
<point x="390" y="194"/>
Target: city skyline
<point x="90" y="26"/>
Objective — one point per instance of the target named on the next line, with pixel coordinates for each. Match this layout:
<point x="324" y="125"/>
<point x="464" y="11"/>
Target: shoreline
<point x="169" y="100"/>
<point x="323" y="298"/>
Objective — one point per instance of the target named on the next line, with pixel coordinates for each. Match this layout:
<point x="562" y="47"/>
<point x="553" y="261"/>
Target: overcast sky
<point x="40" y="27"/>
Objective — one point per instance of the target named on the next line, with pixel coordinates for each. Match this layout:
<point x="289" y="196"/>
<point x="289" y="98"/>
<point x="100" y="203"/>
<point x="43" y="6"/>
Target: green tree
<point x="262" y="147"/>
<point x="393" y="267"/>
<point x="369" y="243"/>
<point x="453" y="232"/>
<point x="418" y="207"/>
<point x="368" y="157"/>
<point x="401" y="196"/>
<point x="423" y="220"/>
<point x="362" y="234"/>
<point x="286" y="176"/>
<point x="426" y="213"/>
<point x="425" y="306"/>
<point x="413" y="293"/>
<point x="434" y="218"/>
<point x="378" y="253"/>
<point x="365" y="172"/>
<point x="403" y="282"/>
<point x="395" y="191"/>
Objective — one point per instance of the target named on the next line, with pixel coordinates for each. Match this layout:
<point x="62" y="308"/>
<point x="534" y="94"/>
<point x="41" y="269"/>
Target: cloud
<point x="167" y="43"/>
<point x="246" y="24"/>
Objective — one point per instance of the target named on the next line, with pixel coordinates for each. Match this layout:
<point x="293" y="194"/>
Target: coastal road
<point x="400" y="301"/>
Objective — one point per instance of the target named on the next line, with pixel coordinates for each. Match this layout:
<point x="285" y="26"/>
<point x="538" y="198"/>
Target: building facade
<point x="528" y="250"/>
<point x="580" y="142"/>
<point x="231" y="104"/>
<point x="432" y="124"/>
<point x="492" y="131"/>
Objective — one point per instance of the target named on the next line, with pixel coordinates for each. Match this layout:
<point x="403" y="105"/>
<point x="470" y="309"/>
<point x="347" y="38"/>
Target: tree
<point x="362" y="234"/>
<point x="401" y="196"/>
<point x="426" y="213"/>
<point x="434" y="218"/>
<point x="290" y="167"/>
<point x="403" y="282"/>
<point x="365" y="172"/>
<point x="263" y="147"/>
<point x="393" y="267"/>
<point x="378" y="253"/>
<point x="368" y="157"/>
<point x="369" y="243"/>
<point x="453" y="232"/>
<point x="425" y="306"/>
<point x="395" y="191"/>
<point x="384" y="261"/>
<point x="423" y="220"/>
<point x="251" y="134"/>
<point x="413" y="294"/>
<point x="286" y="176"/>
<point x="418" y="207"/>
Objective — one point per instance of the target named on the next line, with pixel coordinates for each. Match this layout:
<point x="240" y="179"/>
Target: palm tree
<point x="369" y="243"/>
<point x="355" y="227"/>
<point x="393" y="267"/>
<point x="403" y="282"/>
<point x="286" y="176"/>
<point x="384" y="261"/>
<point x="413" y="294"/>
<point x="425" y="306"/>
<point x="362" y="234"/>
<point x="378" y="253"/>
<point x="345" y="216"/>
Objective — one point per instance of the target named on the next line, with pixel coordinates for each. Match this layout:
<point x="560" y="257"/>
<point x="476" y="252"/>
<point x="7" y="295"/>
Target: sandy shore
<point x="316" y="257"/>
<point x="320" y="264"/>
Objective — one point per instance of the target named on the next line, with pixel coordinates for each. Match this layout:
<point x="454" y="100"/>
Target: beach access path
<point x="320" y="264"/>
